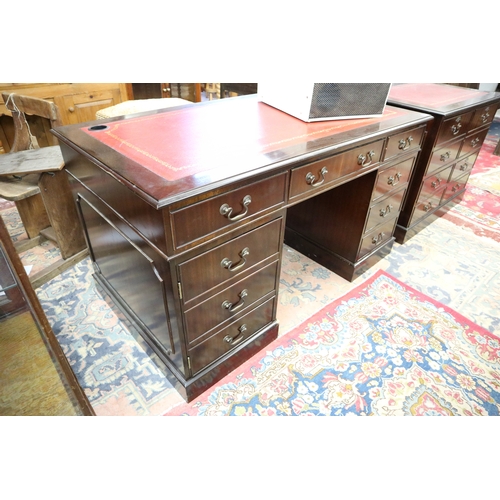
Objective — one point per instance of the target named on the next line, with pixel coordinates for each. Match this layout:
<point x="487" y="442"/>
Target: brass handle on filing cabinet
<point x="377" y="239"/>
<point x="484" y="117"/>
<point x="237" y="305"/>
<point x="311" y="178"/>
<point x="405" y="144"/>
<point x="362" y="158"/>
<point x="227" y="211"/>
<point x="446" y="156"/>
<point x="228" y="264"/>
<point x="234" y="340"/>
<point x="455" y="129"/>
<point x="436" y="183"/>
<point x="392" y="181"/>
<point x="384" y="212"/>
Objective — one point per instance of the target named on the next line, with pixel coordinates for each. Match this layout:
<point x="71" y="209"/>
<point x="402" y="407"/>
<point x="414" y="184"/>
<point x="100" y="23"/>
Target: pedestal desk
<point x="462" y="118"/>
<point x="185" y="212"/>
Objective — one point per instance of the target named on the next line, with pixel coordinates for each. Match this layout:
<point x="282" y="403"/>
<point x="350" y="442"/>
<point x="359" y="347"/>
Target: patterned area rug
<point x="383" y="349"/>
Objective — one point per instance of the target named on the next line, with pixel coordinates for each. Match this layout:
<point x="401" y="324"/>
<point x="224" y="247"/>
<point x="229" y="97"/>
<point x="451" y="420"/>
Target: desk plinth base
<point x="190" y="388"/>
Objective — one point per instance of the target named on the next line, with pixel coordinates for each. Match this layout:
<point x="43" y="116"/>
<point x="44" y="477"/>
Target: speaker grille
<point x="348" y="99"/>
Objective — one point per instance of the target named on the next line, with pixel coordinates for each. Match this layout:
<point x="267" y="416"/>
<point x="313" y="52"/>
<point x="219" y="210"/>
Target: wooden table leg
<point x="61" y="209"/>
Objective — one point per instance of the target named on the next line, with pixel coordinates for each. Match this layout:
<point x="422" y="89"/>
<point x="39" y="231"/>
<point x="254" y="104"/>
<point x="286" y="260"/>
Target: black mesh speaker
<point x="326" y="101"/>
<point x="348" y="99"/>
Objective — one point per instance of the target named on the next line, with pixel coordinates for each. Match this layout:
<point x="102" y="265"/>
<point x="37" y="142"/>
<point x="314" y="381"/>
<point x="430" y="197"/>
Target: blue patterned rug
<point x="384" y="349"/>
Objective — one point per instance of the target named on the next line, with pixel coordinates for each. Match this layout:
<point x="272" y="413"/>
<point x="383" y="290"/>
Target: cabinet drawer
<point x="483" y="116"/>
<point x="201" y="219"/>
<point x="231" y="337"/>
<point x="377" y="238"/>
<point x="454" y="187"/>
<point x="393" y="177"/>
<point x="463" y="166"/>
<point x="435" y="182"/>
<point x="426" y="204"/>
<point x="384" y="209"/>
<point x="444" y="155"/>
<point x="454" y="127"/>
<point x="473" y="142"/>
<point x="404" y="141"/>
<point x="228" y="304"/>
<point x="203" y="272"/>
<point x="323" y="172"/>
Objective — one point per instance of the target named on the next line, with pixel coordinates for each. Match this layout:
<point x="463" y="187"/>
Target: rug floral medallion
<point x="383" y="349"/>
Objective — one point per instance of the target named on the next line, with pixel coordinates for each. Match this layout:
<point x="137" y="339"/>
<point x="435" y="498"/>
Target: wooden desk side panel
<point x="136" y="214"/>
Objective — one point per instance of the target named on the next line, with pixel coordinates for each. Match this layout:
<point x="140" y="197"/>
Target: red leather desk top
<point x="435" y="97"/>
<point x="171" y="155"/>
<point x="191" y="140"/>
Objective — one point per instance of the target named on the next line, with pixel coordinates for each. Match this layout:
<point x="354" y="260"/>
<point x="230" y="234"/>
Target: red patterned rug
<point x="383" y="349"/>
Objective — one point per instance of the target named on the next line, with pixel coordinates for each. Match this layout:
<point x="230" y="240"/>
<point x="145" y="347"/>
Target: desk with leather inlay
<point x="185" y="212"/>
<point x="462" y="118"/>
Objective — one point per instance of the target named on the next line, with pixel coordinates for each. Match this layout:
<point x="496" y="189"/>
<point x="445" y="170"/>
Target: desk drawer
<point x="224" y="211"/>
<point x="454" y="127"/>
<point x="454" y="187"/>
<point x="393" y="177"/>
<point x="384" y="209"/>
<point x="435" y="182"/>
<point x="381" y="235"/>
<point x="404" y="141"/>
<point x="321" y="173"/>
<point x="231" y="337"/>
<point x="426" y="203"/>
<point x="444" y="155"/>
<point x="463" y="166"/>
<point x="473" y="142"/>
<point x="203" y="272"/>
<point x="483" y="116"/>
<point x="231" y="302"/>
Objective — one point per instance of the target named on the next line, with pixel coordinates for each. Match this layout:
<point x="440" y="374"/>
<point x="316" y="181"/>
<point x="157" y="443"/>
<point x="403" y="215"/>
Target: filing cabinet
<point x="462" y="118"/>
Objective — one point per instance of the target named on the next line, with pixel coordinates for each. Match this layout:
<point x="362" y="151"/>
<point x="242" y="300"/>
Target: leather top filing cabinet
<point x="185" y="212"/>
<point x="462" y="117"/>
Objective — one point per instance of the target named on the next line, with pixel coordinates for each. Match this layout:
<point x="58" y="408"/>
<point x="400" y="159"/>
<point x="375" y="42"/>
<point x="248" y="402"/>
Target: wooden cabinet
<point x="187" y="91"/>
<point x="185" y="213"/>
<point x="462" y="117"/>
<point x="77" y="102"/>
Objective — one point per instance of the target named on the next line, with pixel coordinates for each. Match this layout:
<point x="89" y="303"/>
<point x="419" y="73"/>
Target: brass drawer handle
<point x="362" y="159"/>
<point x="484" y="117"/>
<point x="377" y="239"/>
<point x="475" y="142"/>
<point x="455" y="129"/>
<point x="227" y="211"/>
<point x="237" y="338"/>
<point x="427" y="206"/>
<point x="436" y="183"/>
<point x="464" y="166"/>
<point x="456" y="187"/>
<point x="393" y="180"/>
<point x="445" y="156"/>
<point x="228" y="264"/>
<point x="311" y="178"/>
<point x="237" y="305"/>
<point x="386" y="211"/>
<point x="405" y="144"/>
